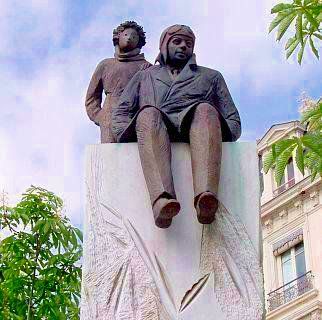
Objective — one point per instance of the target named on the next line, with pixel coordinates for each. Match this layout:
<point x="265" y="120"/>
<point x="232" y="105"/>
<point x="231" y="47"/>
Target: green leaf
<point x="55" y="240"/>
<point x="63" y="229"/>
<point x="313" y="142"/>
<point x="281" y="163"/>
<point x="47" y="227"/>
<point x="301" y="51"/>
<point x="79" y="234"/>
<point x="289" y="42"/>
<point x="319" y="36"/>
<point x="280" y="7"/>
<point x="282" y="145"/>
<point x="277" y="149"/>
<point x="314" y="23"/>
<point x="38" y="225"/>
<point x="268" y="162"/>
<point x="284" y="25"/>
<point x="24" y="218"/>
<point x="314" y="50"/>
<point x="73" y="239"/>
<point x="311" y="159"/>
<point x="277" y="20"/>
<point x="292" y="48"/>
<point x="317" y="9"/>
<point x="314" y="174"/>
<point x="300" y="156"/>
<point x="306" y="2"/>
<point x="315" y="123"/>
<point x="299" y="28"/>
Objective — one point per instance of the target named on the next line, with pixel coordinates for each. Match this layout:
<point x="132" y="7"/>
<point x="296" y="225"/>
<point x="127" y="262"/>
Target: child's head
<point x="129" y="35"/>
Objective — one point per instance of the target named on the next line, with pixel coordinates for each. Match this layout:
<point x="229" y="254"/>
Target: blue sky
<point x="49" y="49"/>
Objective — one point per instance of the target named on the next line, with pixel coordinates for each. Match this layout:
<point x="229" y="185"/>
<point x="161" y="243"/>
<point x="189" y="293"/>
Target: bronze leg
<point x="155" y="154"/>
<point x="206" y="144"/>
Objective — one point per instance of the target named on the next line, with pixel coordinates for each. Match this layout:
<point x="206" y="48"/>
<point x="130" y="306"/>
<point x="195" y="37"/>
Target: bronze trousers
<point x="155" y="151"/>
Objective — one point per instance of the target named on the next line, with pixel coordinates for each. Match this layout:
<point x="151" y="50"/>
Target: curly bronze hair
<point x="126" y="25"/>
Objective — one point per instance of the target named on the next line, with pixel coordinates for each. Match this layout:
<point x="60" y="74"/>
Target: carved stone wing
<point x="128" y="286"/>
<point x="227" y="251"/>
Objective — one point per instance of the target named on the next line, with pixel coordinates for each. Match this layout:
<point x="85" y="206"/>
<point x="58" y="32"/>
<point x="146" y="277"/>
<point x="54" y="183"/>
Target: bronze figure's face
<point x="180" y="49"/>
<point x="128" y="39"/>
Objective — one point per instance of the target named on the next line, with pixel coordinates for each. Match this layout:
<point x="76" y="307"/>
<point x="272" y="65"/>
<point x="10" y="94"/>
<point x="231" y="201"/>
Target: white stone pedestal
<point x="134" y="270"/>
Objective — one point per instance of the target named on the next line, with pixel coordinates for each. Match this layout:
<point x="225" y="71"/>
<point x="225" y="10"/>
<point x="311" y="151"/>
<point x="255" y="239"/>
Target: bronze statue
<point x="177" y="100"/>
<point x="113" y="74"/>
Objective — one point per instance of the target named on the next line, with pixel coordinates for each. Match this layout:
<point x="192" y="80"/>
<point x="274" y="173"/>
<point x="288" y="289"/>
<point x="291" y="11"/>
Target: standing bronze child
<point x="177" y="100"/>
<point x="113" y="74"/>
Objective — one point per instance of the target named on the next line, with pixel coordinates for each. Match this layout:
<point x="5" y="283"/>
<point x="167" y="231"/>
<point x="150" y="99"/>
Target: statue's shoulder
<point x="208" y="71"/>
<point x="152" y="70"/>
<point x="102" y="67"/>
<point x="107" y="62"/>
<point x="211" y="74"/>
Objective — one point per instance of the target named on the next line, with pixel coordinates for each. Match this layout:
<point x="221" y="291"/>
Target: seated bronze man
<point x="177" y="100"/>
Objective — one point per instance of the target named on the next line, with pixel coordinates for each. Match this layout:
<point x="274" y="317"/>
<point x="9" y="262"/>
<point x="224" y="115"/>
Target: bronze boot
<point x="206" y="207"/>
<point x="164" y="210"/>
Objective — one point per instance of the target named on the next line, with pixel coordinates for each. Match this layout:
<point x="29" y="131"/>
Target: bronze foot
<point x="164" y="210"/>
<point x="206" y="206"/>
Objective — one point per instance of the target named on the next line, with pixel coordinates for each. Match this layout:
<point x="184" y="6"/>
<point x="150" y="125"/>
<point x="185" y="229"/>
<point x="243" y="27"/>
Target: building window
<point x="287" y="269"/>
<point x="293" y="263"/>
<point x="296" y="280"/>
<point x="295" y="283"/>
<point x="290" y="170"/>
<point x="281" y="185"/>
<point x="300" y="266"/>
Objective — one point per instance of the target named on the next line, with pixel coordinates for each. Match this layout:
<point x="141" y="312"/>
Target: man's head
<point x="176" y="45"/>
<point x="128" y="36"/>
<point x="180" y="49"/>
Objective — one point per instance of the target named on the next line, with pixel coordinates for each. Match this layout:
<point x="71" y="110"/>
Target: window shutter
<point x="288" y="242"/>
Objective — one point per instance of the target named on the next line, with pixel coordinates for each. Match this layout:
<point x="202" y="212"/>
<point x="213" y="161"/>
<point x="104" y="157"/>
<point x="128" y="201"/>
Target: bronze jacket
<point x="194" y="85"/>
<point x="110" y="76"/>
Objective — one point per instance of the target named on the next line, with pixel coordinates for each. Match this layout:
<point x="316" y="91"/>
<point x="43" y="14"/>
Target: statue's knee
<point x="148" y="119"/>
<point x="206" y="110"/>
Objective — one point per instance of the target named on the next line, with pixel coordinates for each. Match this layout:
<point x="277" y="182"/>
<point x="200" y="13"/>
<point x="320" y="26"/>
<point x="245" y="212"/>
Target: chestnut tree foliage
<point x="303" y="18"/>
<point x="307" y="149"/>
<point x="39" y="259"/>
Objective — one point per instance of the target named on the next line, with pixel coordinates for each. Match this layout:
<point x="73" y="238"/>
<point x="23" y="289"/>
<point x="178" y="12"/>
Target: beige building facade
<point x="291" y="215"/>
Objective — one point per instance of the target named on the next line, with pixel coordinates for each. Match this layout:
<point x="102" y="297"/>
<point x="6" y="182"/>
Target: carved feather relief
<point x="121" y="279"/>
<point x="227" y="251"/>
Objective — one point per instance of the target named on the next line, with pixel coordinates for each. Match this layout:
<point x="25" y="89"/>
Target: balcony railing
<point x="284" y="187"/>
<point x="290" y="291"/>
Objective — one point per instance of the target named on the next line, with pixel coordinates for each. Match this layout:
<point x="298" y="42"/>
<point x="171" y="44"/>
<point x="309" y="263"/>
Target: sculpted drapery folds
<point x="113" y="74"/>
<point x="177" y="100"/>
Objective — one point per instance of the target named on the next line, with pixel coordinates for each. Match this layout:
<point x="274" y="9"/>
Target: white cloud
<point x="26" y="25"/>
